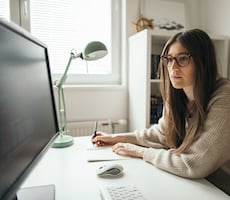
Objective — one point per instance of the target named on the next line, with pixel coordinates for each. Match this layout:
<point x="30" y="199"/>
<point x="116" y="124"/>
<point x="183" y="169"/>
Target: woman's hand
<point x="120" y="146"/>
<point x="127" y="149"/>
<point x="103" y="139"/>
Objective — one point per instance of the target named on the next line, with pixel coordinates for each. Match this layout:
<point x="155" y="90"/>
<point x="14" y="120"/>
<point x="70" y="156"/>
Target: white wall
<point x="216" y="16"/>
<point x="91" y="103"/>
<point x="211" y="15"/>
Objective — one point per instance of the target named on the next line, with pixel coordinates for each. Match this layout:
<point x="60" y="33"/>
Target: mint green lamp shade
<point x="94" y="50"/>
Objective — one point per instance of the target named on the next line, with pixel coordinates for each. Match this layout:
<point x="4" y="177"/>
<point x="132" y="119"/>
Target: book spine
<point x="155" y="60"/>
<point x="156" y="106"/>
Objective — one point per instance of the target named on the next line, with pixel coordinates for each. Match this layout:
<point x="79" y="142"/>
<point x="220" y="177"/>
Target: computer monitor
<point x="28" y="121"/>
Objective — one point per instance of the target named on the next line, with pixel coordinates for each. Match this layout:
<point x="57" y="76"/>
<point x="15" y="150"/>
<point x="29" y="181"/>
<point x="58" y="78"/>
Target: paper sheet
<point x="94" y="153"/>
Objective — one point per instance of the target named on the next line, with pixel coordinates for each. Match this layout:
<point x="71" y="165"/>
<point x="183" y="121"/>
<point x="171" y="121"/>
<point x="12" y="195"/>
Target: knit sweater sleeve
<point x="153" y="137"/>
<point x="208" y="153"/>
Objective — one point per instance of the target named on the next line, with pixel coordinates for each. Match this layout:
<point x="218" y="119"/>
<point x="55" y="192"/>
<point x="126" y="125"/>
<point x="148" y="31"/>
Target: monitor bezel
<point x="11" y="193"/>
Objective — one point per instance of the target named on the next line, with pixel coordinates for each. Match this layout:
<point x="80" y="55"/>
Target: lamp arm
<point x="61" y="98"/>
<point x="63" y="78"/>
<point x="62" y="112"/>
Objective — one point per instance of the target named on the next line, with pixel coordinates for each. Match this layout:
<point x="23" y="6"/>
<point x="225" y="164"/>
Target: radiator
<point x="85" y="128"/>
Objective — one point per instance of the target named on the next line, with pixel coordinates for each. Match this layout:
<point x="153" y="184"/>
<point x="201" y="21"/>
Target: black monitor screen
<point x="28" y="121"/>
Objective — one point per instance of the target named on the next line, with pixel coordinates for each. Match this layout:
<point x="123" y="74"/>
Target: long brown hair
<point x="200" y="46"/>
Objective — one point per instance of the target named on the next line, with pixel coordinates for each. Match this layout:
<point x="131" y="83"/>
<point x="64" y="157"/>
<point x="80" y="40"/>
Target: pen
<point x="95" y="130"/>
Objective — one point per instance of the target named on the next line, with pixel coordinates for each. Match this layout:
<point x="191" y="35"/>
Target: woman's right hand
<point x="103" y="139"/>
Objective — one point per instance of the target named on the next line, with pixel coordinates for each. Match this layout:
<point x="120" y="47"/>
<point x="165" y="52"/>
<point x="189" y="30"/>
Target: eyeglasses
<point x="181" y="60"/>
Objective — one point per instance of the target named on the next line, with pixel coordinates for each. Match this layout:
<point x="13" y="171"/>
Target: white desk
<point x="76" y="179"/>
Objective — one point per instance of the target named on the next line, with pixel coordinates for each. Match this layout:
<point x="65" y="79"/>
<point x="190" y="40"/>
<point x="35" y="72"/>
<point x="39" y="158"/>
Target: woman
<point x="192" y="138"/>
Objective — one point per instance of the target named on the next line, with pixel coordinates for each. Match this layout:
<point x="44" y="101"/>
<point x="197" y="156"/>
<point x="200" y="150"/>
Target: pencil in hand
<point x="95" y="130"/>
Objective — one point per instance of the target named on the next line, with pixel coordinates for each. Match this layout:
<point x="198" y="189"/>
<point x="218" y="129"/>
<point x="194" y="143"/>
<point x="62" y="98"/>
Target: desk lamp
<point x="93" y="51"/>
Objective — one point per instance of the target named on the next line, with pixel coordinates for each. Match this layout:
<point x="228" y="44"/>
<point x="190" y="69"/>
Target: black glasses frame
<point x="181" y="63"/>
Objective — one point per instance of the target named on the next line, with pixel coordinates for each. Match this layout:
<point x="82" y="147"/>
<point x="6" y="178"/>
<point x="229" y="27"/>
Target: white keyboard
<point x="121" y="193"/>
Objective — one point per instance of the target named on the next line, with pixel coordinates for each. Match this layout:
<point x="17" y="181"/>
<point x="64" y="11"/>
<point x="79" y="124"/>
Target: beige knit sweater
<point x="208" y="154"/>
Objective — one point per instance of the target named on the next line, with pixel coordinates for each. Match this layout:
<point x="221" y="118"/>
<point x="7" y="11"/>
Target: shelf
<point x="155" y="81"/>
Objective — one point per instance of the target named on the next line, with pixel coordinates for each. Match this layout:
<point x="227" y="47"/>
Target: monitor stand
<point x="44" y="192"/>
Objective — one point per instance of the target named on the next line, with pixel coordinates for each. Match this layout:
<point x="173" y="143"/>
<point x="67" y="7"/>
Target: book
<point x="155" y="60"/>
<point x="156" y="106"/>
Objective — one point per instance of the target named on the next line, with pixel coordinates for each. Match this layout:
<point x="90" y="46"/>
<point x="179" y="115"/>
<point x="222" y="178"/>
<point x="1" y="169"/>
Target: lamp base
<point x="63" y="141"/>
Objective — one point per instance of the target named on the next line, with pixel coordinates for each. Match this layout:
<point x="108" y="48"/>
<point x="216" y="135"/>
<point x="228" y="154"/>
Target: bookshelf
<point x="144" y="96"/>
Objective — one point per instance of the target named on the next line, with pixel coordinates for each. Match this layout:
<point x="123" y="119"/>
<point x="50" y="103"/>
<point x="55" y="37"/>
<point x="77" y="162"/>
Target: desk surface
<point x="75" y="178"/>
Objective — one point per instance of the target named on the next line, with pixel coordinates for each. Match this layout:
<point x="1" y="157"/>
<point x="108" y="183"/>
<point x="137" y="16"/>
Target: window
<point x="4" y="9"/>
<point x="64" y="25"/>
